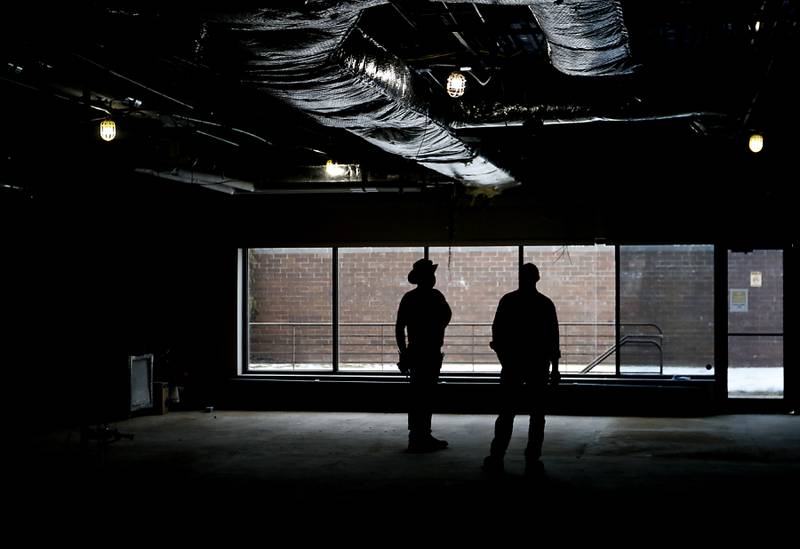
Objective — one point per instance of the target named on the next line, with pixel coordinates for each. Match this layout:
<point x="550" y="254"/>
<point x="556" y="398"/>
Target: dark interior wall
<point x="99" y="274"/>
<point x="792" y="375"/>
<point x="644" y="201"/>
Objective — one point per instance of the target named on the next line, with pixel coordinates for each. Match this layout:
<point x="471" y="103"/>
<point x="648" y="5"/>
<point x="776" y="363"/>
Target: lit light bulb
<point x="456" y="84"/>
<point x="108" y="130"/>
<point x="756" y="142"/>
<point x="334" y="170"/>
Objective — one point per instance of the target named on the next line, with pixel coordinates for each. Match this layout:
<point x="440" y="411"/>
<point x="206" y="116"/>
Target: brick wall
<point x="371" y="283"/>
<point x="290" y="285"/>
<point x="473" y="279"/>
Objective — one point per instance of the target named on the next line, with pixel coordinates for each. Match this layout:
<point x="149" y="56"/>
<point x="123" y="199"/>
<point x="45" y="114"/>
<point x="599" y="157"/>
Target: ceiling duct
<point x="583" y="38"/>
<point x="319" y="61"/>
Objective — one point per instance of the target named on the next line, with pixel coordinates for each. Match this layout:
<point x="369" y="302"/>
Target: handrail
<point x="464" y="345"/>
<point x="623" y="340"/>
<point x="648" y="324"/>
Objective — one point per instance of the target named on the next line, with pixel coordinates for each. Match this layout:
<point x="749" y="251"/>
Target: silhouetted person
<point x="424" y="313"/>
<point x="525" y="338"/>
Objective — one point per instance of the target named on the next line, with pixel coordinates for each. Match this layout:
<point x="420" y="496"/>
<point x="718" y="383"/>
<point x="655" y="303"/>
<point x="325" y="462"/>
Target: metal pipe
<point x="132" y="81"/>
<point x="466" y="125"/>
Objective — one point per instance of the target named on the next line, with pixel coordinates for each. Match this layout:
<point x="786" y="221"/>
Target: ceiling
<point x="252" y="100"/>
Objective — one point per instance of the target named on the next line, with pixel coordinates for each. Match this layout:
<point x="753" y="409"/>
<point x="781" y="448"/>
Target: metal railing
<point x="654" y="340"/>
<point x="584" y="344"/>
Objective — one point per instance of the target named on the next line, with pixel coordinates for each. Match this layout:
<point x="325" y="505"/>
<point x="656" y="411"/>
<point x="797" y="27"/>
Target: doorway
<point x="755" y="324"/>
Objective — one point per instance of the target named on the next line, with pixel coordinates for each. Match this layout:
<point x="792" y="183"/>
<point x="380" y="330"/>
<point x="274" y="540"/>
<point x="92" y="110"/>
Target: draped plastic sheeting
<point x="316" y="59"/>
<point x="319" y="61"/>
<point x="584" y="38"/>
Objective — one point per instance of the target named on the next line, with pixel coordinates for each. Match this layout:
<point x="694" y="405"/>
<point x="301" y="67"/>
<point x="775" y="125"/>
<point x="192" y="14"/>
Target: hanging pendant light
<point x="456" y="84"/>
<point x="108" y="130"/>
<point x="756" y="142"/>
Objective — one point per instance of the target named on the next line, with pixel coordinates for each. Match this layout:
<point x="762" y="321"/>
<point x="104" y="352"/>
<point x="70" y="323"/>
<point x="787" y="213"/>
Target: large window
<point x="291" y="305"/>
<point x="289" y="309"/>
<point x="667" y="309"/>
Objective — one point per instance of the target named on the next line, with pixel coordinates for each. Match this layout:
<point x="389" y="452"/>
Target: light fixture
<point x="334" y="170"/>
<point x="108" y="130"/>
<point x="456" y="83"/>
<point x="756" y="142"/>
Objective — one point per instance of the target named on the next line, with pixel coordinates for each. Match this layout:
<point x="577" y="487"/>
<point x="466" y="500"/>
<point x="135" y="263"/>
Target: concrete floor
<point x="303" y="467"/>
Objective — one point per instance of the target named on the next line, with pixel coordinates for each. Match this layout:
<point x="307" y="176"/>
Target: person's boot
<point x="493" y="465"/>
<point x="417" y="443"/>
<point x="534" y="469"/>
<point x="437" y="443"/>
<point x="424" y="443"/>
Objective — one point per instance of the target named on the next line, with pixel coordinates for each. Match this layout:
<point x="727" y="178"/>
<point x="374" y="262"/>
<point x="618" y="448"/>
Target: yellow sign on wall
<point x="738" y="301"/>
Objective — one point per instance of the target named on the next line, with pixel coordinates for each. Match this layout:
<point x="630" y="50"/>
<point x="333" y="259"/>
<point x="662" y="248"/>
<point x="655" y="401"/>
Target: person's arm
<point x="555" y="375"/>
<point x="400" y="336"/>
<point x="400" y="329"/>
<point x="497" y="328"/>
<point x="448" y="312"/>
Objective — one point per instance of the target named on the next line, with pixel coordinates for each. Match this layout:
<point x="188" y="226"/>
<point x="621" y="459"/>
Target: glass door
<point x="755" y="324"/>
